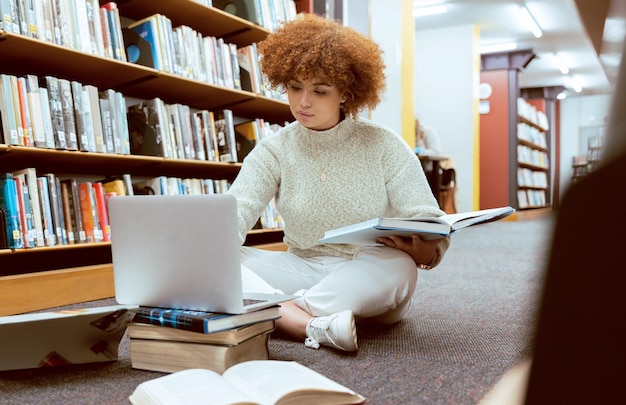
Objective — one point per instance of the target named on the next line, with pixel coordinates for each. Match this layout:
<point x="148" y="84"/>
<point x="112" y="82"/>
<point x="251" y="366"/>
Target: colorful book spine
<point x="101" y="208"/>
<point x="200" y="321"/>
<point x="26" y="218"/>
<point x="9" y="204"/>
<point x="46" y="211"/>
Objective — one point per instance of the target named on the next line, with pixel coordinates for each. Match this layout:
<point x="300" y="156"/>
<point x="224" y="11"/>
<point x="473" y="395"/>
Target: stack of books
<point x="170" y="340"/>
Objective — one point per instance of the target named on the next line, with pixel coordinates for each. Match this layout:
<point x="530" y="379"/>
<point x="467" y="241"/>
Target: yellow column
<point x="476" y="120"/>
<point x="408" y="72"/>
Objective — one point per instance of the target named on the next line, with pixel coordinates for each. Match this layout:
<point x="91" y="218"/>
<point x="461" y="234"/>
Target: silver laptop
<point x="180" y="252"/>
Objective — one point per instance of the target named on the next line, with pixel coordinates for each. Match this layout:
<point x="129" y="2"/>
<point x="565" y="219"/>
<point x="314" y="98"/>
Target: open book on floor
<point x="365" y="233"/>
<point x="253" y="382"/>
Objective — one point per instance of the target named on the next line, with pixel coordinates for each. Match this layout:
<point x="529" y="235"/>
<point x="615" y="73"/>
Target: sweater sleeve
<point x="254" y="187"/>
<point x="404" y="168"/>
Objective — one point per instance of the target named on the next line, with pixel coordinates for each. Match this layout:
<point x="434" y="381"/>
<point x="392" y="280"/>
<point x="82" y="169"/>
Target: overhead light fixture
<point x="562" y="95"/>
<point x="430" y="10"/>
<point x="503" y="47"/>
<point x="575" y="85"/>
<point x="530" y="22"/>
<point x="558" y="59"/>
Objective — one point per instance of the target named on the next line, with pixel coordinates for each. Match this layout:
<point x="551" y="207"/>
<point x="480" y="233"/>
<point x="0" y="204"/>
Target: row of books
<point x="86" y="27"/>
<point x="269" y="14"/>
<point x="532" y="156"/>
<point x="47" y="210"/>
<point x="170" y="340"/>
<point x="531" y="134"/>
<point x="532" y="114"/>
<point x="531" y="198"/>
<point x="82" y="25"/>
<point x="57" y="113"/>
<point x="531" y="178"/>
<point x="177" y="131"/>
<point x="186" y="52"/>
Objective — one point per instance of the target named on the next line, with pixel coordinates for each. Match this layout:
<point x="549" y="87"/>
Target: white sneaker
<point x="336" y="330"/>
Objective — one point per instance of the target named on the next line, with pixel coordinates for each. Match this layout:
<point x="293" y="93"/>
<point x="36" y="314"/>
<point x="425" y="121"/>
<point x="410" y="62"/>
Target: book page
<point x="193" y="386"/>
<point x="474" y="217"/>
<point x="269" y="380"/>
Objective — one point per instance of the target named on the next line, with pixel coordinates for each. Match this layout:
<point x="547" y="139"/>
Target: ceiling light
<point x="575" y="85"/>
<point x="561" y="96"/>
<point x="507" y="46"/>
<point x="561" y="64"/>
<point x="431" y="10"/>
<point x="530" y="22"/>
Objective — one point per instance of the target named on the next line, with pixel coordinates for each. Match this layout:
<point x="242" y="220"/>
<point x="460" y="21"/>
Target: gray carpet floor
<point x="470" y="320"/>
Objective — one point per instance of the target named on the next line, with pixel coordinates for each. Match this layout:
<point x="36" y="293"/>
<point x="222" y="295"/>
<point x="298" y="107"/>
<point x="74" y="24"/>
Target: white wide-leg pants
<point x="377" y="284"/>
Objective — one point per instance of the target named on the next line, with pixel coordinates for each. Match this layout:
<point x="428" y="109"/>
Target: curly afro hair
<point x="311" y="47"/>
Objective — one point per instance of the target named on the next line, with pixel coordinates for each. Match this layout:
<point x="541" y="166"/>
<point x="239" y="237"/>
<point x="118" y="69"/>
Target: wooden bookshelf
<point x="44" y="277"/>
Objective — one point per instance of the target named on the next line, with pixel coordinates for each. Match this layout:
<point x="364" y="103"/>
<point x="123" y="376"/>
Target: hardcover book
<point x="26" y="216"/>
<point x="201" y="321"/>
<point x="252" y="382"/>
<point x="56" y="111"/>
<point x="30" y="180"/>
<point x="91" y="223"/>
<point x="47" y="118"/>
<point x="67" y="105"/>
<point x="226" y="337"/>
<point x="9" y="205"/>
<point x="93" y="94"/>
<point x="46" y="211"/>
<point x="36" y="114"/>
<point x="53" y="195"/>
<point x="171" y="356"/>
<point x="148" y="30"/>
<point x="68" y="215"/>
<point x="71" y="186"/>
<point x="79" y="116"/>
<point x="9" y="123"/>
<point x="365" y="233"/>
<point x="226" y="139"/>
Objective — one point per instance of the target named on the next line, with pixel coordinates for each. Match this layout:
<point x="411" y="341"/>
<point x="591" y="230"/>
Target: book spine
<point x="79" y="224"/>
<point x="69" y="220"/>
<point x="47" y="118"/>
<point x="178" y="319"/>
<point x="98" y="144"/>
<point x="46" y="213"/>
<point x="8" y="112"/>
<point x="27" y="139"/>
<point x="87" y="212"/>
<point x="79" y="116"/>
<point x="103" y="216"/>
<point x="67" y="105"/>
<point x="9" y="204"/>
<point x="9" y="17"/>
<point x="56" y="111"/>
<point x="89" y="121"/>
<point x="30" y="175"/>
<point x="58" y="226"/>
<point x="26" y="216"/>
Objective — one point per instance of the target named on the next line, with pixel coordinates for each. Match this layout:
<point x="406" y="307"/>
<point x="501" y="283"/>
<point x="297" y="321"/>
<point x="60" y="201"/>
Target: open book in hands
<point x="366" y="233"/>
<point x="256" y="382"/>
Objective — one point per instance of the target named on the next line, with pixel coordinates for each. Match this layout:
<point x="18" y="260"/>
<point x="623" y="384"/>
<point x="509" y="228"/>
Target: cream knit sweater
<point x="322" y="180"/>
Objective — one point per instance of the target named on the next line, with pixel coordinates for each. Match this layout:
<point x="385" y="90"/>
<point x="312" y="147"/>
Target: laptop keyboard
<point x="248" y="301"/>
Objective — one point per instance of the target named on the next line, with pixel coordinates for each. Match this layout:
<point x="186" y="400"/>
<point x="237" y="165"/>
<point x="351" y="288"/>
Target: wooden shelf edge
<point x="36" y="291"/>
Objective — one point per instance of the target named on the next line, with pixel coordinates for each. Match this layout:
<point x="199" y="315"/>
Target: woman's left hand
<point x="422" y="251"/>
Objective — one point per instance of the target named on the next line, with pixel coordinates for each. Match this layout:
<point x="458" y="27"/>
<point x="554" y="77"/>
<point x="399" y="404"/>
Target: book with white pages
<point x="366" y="233"/>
